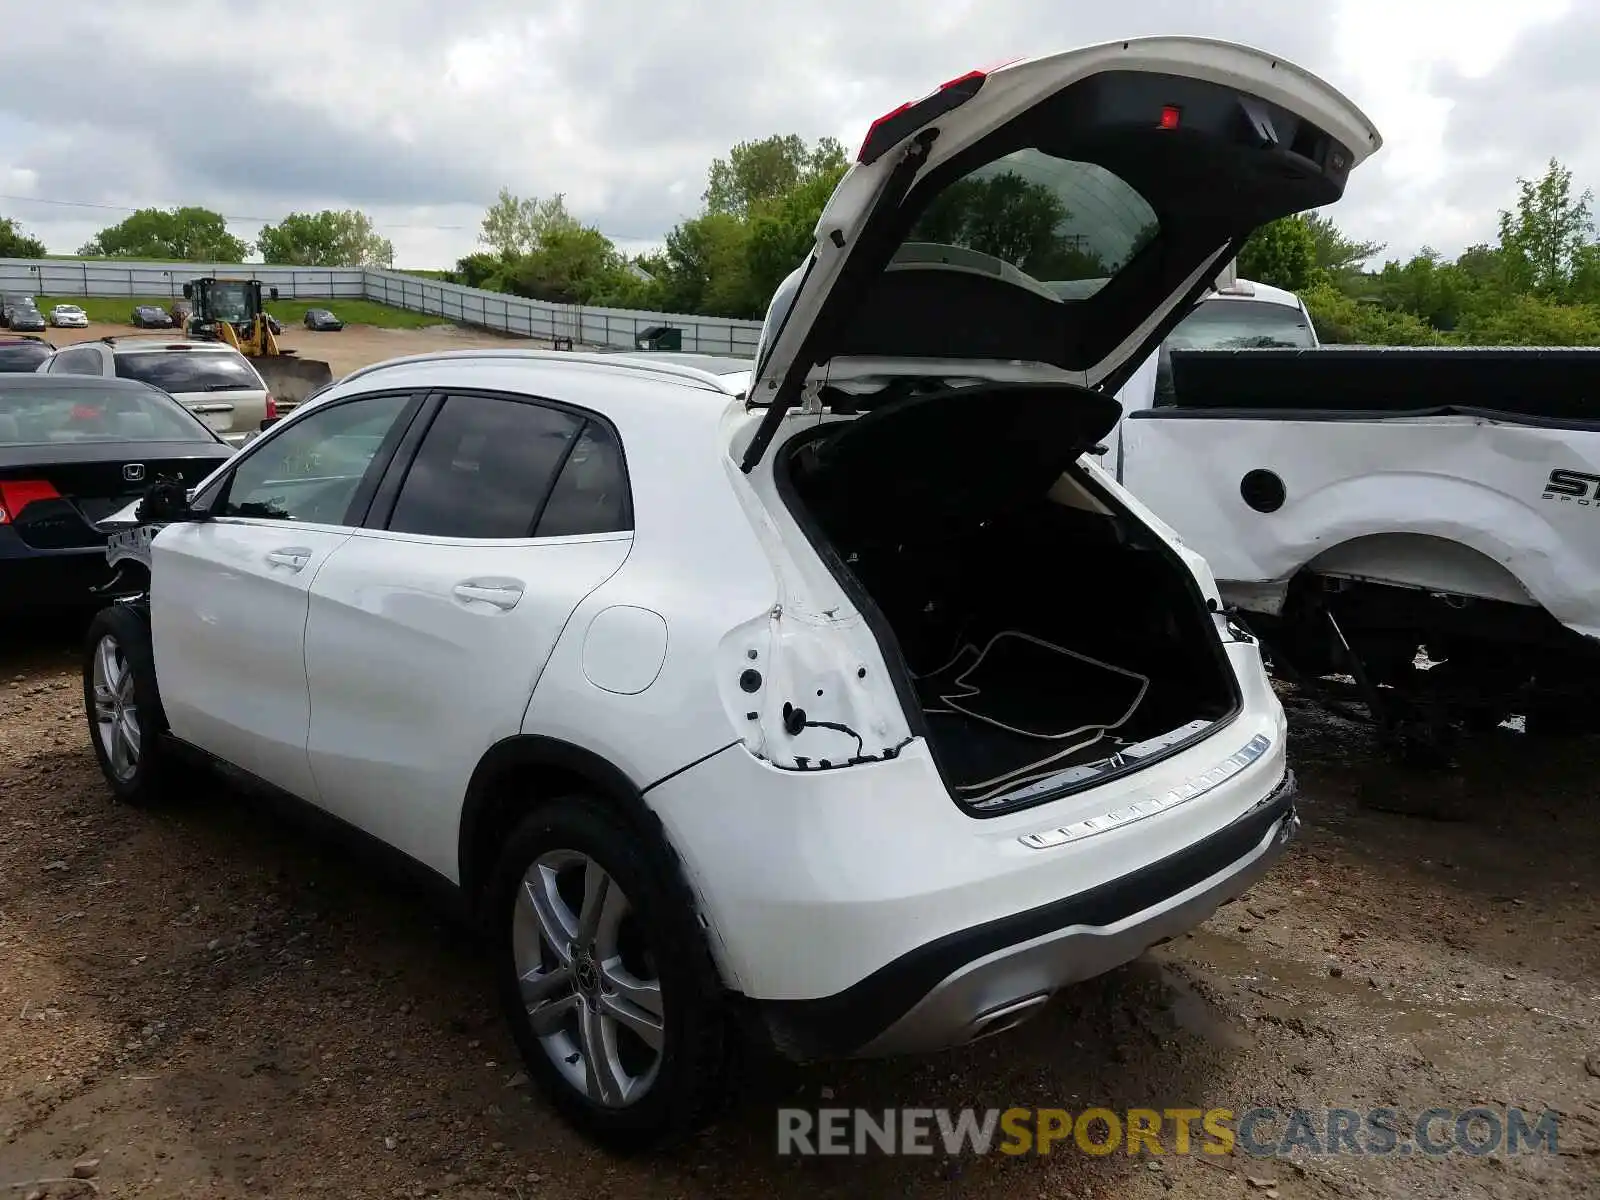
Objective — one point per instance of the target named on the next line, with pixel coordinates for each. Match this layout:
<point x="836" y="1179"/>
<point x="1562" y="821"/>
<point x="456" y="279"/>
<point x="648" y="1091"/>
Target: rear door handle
<point x="211" y="408"/>
<point x="294" y="557"/>
<point x="502" y="593"/>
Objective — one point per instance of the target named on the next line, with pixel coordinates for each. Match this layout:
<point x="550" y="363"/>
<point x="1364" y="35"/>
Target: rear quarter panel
<point x="1479" y="483"/>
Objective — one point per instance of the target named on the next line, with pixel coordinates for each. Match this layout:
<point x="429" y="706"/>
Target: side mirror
<point x="188" y="291"/>
<point x="272" y="293"/>
<point x="167" y="501"/>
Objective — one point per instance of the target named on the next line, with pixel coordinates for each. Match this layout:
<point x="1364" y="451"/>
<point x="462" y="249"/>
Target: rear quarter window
<point x="187" y="371"/>
<point x="591" y="493"/>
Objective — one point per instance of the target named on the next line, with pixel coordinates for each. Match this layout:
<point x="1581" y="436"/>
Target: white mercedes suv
<point x="844" y="703"/>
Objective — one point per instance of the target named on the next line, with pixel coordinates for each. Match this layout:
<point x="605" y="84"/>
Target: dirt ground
<point x="352" y="347"/>
<point x="213" y="1001"/>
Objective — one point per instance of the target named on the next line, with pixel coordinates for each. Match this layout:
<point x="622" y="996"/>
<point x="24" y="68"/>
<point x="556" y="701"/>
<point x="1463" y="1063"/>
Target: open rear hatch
<point x="1001" y="257"/>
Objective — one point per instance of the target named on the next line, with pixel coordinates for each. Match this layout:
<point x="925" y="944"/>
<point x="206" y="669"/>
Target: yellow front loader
<point x="230" y="310"/>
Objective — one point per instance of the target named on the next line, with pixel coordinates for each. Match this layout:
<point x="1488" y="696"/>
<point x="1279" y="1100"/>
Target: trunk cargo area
<point x="1039" y="628"/>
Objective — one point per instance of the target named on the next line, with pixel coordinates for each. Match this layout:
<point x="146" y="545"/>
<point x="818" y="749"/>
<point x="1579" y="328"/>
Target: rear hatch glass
<point x="1242" y="325"/>
<point x="186" y="371"/>
<point x="54" y="415"/>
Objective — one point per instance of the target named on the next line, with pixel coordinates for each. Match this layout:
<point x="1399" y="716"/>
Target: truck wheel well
<point x="515" y="775"/>
<point x="1421" y="560"/>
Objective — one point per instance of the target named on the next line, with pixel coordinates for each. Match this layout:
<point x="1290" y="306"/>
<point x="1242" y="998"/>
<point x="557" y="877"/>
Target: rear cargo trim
<point x="1151" y="805"/>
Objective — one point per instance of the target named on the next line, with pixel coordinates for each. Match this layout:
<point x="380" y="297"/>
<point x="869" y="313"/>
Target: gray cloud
<point x="407" y="104"/>
<point x="1534" y="105"/>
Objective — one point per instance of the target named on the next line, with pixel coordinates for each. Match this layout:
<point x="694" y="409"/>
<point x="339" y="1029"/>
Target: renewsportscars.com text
<point x="1258" y="1132"/>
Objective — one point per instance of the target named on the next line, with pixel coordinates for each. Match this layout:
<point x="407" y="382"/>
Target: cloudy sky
<point x="418" y="111"/>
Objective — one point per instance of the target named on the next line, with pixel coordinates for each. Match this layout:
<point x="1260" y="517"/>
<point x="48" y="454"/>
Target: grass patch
<point x="113" y="310"/>
<point x="355" y="312"/>
<point x="118" y="310"/>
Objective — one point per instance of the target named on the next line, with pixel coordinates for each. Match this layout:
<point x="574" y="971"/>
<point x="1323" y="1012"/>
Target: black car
<point x="73" y="450"/>
<point x="151" y="316"/>
<point x="23" y="353"/>
<point x="323" y="320"/>
<point x="21" y="313"/>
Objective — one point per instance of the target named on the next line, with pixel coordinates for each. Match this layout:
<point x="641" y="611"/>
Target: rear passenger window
<point x="484" y="469"/>
<point x="591" y="495"/>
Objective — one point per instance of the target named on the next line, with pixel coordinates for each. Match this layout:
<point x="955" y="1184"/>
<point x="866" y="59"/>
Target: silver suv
<point x="211" y="380"/>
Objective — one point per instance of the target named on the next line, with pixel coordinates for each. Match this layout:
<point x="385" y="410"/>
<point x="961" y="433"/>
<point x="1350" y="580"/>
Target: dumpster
<point x="659" y="337"/>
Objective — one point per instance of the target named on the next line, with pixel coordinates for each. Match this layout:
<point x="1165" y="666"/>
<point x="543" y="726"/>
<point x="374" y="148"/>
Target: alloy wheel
<point x="116" y="709"/>
<point x="589" y="983"/>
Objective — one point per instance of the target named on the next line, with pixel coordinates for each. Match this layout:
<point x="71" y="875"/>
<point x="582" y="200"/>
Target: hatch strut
<point x="842" y="296"/>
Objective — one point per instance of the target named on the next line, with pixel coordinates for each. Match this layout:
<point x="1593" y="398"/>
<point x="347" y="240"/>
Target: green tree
<point x="185" y="234"/>
<point x="1544" y="235"/>
<point x="1336" y="253"/>
<point x="14" y="243"/>
<point x="704" y="267"/>
<point x="1341" y="319"/>
<point x="1429" y="287"/>
<point x="1003" y="215"/>
<point x="1281" y="253"/>
<point x="570" y="265"/>
<point x="326" y="239"/>
<point x="782" y="232"/>
<point x="515" y="225"/>
<point x="1534" y="321"/>
<point x="767" y="169"/>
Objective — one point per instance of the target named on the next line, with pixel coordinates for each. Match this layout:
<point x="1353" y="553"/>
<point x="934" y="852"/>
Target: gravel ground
<point x="211" y="1000"/>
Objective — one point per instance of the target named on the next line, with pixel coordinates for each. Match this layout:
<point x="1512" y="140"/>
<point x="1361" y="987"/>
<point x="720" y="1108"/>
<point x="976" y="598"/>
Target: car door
<point x="229" y="594"/>
<point x="428" y="629"/>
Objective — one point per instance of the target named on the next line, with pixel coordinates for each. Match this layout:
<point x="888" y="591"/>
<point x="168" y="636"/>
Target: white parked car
<point x="212" y="380"/>
<point x="857" y="711"/>
<point x="69" y="316"/>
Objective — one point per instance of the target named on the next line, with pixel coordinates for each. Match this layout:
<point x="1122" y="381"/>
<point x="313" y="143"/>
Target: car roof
<point x="75" y="383"/>
<point x="122" y="343"/>
<point x="1245" y="289"/>
<point x="539" y="361"/>
<point x="716" y="364"/>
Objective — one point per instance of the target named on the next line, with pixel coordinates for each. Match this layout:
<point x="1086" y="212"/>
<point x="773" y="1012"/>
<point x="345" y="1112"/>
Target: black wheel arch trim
<point x="840" y="1025"/>
<point x="526" y="750"/>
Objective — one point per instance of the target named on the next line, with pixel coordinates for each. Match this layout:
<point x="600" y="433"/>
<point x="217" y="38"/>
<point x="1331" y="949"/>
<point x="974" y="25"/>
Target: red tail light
<point x="894" y="127"/>
<point x="1171" y="115"/>
<point x="272" y="408"/>
<point x="17" y="494"/>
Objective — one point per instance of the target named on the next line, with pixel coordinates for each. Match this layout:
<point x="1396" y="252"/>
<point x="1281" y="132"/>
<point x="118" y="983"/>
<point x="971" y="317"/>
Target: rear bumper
<point x="991" y="977"/>
<point x="839" y="901"/>
<point x="31" y="579"/>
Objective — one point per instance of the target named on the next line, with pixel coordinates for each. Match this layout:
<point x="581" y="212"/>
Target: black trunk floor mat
<point x="1017" y="704"/>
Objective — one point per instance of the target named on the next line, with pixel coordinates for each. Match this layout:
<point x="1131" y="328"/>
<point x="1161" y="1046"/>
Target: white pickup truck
<point x="1357" y="504"/>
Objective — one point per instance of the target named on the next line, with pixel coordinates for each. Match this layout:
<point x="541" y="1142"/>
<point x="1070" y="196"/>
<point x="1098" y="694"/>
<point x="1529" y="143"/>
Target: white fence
<point x="64" y="277"/>
<point x="610" y="327"/>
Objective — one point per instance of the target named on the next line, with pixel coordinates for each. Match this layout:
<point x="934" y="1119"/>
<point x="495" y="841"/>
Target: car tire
<point x="127" y="725"/>
<point x="637" y="965"/>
